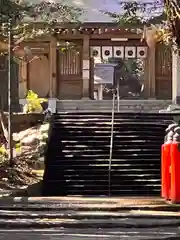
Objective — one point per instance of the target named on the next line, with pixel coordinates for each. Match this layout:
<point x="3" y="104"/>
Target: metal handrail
<point x="111" y="145"/>
<point x="118" y="97"/>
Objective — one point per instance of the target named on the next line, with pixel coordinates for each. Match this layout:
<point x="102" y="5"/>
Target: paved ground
<point x="93" y="234"/>
<point x="77" y="218"/>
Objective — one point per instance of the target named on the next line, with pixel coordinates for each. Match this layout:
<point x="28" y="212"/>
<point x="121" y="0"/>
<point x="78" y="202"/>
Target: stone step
<point x="65" y="161"/>
<point x="106" y="105"/>
<point x="128" y="223"/>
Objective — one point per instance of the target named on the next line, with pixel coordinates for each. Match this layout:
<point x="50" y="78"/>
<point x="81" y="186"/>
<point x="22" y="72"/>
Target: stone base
<point x="85" y="98"/>
<point x="87" y="104"/>
<point x="171" y="108"/>
<point x="177" y="100"/>
<point x="51" y="103"/>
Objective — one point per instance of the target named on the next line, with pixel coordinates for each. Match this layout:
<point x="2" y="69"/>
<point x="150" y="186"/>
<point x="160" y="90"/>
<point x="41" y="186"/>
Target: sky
<point x="92" y="8"/>
<point x="108" y="5"/>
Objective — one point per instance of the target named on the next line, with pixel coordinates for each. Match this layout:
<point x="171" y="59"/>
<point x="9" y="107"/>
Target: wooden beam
<point x="53" y="68"/>
<point x="99" y="36"/>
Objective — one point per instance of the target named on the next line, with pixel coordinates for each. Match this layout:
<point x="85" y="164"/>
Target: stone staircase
<point x="78" y="159"/>
<point x="106" y="105"/>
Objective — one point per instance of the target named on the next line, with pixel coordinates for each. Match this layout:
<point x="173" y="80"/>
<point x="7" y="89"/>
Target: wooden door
<point x="163" y="72"/>
<point x="69" y="68"/>
<point x="38" y="80"/>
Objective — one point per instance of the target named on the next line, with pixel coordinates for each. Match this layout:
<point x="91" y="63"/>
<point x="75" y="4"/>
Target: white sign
<point x="104" y="73"/>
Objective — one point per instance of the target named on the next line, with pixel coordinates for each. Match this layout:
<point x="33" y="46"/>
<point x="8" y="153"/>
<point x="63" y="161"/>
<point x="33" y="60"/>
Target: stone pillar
<point x="100" y="92"/>
<point x="86" y="68"/>
<point x="176" y="78"/>
<point x="53" y="68"/>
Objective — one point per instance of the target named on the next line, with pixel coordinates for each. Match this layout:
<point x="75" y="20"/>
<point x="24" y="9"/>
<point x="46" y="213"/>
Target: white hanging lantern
<point x="106" y="52"/>
<point x="96" y="52"/>
<point x="130" y="52"/>
<point x="118" y="52"/>
<point x="141" y="52"/>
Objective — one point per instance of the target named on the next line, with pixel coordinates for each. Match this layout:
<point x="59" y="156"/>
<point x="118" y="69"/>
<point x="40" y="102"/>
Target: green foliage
<point x="23" y="14"/>
<point x="9" y="9"/>
<point x="138" y="13"/>
<point x="18" y="147"/>
<point x="3" y="154"/>
<point x="22" y="10"/>
<point x="164" y="15"/>
<point x="3" y="151"/>
<point x="33" y="102"/>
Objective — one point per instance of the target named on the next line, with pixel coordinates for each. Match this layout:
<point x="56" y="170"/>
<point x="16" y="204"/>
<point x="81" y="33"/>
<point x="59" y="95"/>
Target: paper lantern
<point x="96" y="52"/>
<point x="141" y="52"/>
<point x="118" y="52"/>
<point x="106" y="52"/>
<point x="130" y="52"/>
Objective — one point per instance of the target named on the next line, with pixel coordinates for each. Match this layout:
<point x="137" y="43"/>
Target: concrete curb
<point x="65" y="203"/>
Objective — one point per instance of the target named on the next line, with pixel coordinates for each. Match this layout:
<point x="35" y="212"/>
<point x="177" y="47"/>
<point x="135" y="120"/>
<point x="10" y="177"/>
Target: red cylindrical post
<point x="175" y="167"/>
<point x="166" y="162"/>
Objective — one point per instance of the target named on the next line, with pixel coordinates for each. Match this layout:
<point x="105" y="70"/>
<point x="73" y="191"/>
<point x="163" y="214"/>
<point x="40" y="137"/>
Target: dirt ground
<point x="26" y="173"/>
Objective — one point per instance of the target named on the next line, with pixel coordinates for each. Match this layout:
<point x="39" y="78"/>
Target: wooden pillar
<point x="53" y="68"/>
<point x="175" y="78"/>
<point x="86" y="68"/>
<point x="146" y="78"/>
<point x="150" y="34"/>
<point x="151" y="77"/>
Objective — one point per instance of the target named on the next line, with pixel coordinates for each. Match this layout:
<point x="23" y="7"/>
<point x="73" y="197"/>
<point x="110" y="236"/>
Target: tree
<point x="161" y="15"/>
<point x="24" y="14"/>
<point x="17" y="24"/>
<point x="172" y="9"/>
<point x="20" y="18"/>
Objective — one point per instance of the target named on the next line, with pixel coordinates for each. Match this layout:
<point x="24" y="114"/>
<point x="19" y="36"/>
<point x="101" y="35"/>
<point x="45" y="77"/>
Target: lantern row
<point x="106" y="52"/>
